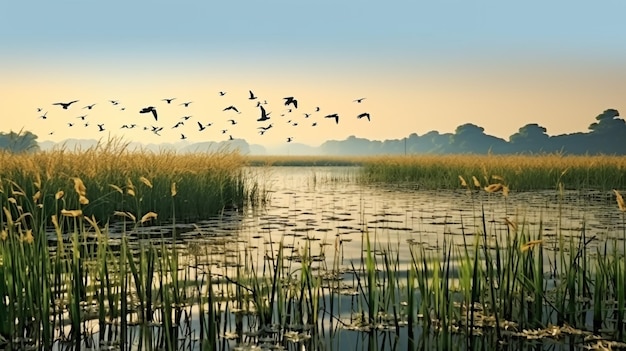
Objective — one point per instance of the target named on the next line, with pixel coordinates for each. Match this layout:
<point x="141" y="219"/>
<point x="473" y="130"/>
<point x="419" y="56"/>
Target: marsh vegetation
<point x="113" y="250"/>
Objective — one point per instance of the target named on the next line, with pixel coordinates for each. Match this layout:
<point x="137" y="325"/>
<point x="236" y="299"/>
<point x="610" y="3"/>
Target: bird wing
<point x="154" y="113"/>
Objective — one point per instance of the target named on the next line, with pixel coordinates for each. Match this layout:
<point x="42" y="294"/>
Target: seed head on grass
<point x="463" y="182"/>
<point x="148" y="216"/>
<point x="530" y="245"/>
<point x="72" y="213"/>
<point x="620" y="201"/>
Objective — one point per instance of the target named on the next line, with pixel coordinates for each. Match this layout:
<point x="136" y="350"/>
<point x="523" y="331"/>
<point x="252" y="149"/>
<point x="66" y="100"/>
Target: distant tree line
<point x="18" y="142"/>
<point x="607" y="135"/>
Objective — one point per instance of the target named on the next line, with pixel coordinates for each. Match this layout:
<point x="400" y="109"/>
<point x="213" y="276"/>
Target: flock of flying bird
<point x="290" y="103"/>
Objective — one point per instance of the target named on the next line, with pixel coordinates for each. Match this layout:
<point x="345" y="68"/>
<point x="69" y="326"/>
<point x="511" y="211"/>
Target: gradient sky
<point x="422" y="66"/>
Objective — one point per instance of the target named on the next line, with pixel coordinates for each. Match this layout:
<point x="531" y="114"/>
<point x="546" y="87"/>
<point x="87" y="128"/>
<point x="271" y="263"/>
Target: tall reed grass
<point x="523" y="172"/>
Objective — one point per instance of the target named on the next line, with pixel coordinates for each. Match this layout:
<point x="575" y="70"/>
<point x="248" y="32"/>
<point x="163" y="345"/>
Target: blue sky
<point x="422" y="65"/>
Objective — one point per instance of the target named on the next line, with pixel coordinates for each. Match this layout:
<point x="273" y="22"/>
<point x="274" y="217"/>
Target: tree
<point x="19" y="142"/>
<point x="531" y="137"/>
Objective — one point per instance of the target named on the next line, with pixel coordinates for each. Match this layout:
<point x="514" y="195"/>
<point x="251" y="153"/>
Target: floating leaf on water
<point x="148" y="216"/>
<point x="72" y="213"/>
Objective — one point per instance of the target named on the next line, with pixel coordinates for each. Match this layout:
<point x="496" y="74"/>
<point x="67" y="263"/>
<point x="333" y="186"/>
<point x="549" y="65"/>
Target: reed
<point x="524" y="172"/>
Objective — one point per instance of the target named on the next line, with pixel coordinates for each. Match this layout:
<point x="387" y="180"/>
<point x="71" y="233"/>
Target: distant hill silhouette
<point x="607" y="135"/>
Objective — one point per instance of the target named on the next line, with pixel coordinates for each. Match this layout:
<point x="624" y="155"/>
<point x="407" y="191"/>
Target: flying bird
<point x="231" y="107"/>
<point x="150" y="109"/>
<point x="182" y="136"/>
<point x="185" y="117"/>
<point x="44" y="115"/>
<point x="114" y="102"/>
<point x="39" y="109"/>
<point x="291" y="100"/>
<point x="222" y="93"/>
<point x="186" y="103"/>
<point x="289" y="139"/>
<point x="232" y="121"/>
<point x="82" y="117"/>
<point x="101" y="127"/>
<point x="359" y="100"/>
<point x="264" y="116"/>
<point x="265" y="129"/>
<point x="230" y="137"/>
<point x="201" y="127"/>
<point x="252" y="97"/>
<point x="335" y="116"/>
<point x="169" y="101"/>
<point x="364" y="114"/>
<point x="89" y="107"/>
<point x="181" y="123"/>
<point x="65" y="105"/>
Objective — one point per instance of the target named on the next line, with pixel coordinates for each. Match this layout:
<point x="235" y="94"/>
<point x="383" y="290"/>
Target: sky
<point x="420" y="65"/>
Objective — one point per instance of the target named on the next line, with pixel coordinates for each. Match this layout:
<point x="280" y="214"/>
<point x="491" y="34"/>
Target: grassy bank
<point x="116" y="179"/>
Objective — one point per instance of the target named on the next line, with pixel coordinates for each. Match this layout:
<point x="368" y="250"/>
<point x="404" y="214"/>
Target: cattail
<point x="173" y="189"/>
<point x="59" y="195"/>
<point x="79" y="186"/>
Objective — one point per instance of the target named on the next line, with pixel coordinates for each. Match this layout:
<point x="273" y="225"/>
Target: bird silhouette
<point x="181" y="123"/>
<point x="182" y="136"/>
<point x="314" y="124"/>
<point x="265" y="129"/>
<point x="89" y="107"/>
<point x="359" y="100"/>
<point x="169" y="101"/>
<point x="291" y="100"/>
<point x="252" y="97"/>
<point x="44" y="115"/>
<point x="230" y="137"/>
<point x="114" y="102"/>
<point x="70" y="124"/>
<point x="232" y="121"/>
<point x="156" y="130"/>
<point x="231" y="107"/>
<point x="364" y="114"/>
<point x="65" y="105"/>
<point x="201" y="127"/>
<point x="222" y="93"/>
<point x="335" y="116"/>
<point x="39" y="109"/>
<point x="307" y="115"/>
<point x="186" y="104"/>
<point x="150" y="109"/>
<point x="289" y="139"/>
<point x="101" y="127"/>
<point x="82" y="117"/>
<point x="185" y="117"/>
<point x="317" y="109"/>
<point x="224" y="131"/>
<point x="264" y="116"/>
